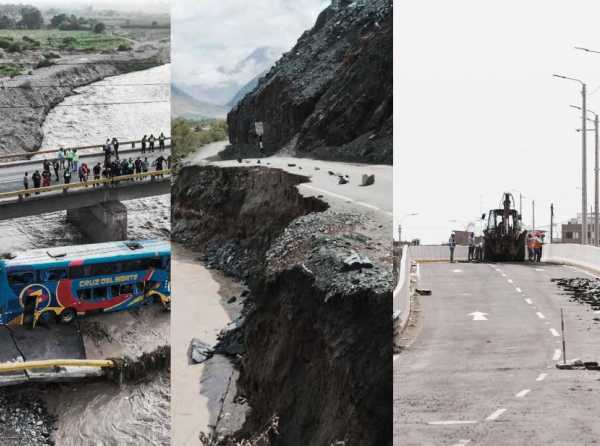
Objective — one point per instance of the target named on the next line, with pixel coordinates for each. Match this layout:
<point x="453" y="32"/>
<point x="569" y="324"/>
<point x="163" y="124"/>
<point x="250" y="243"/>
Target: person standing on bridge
<point x="107" y="154"/>
<point x="56" y="166"/>
<point x="61" y="157"/>
<point x="159" y="163"/>
<point x="161" y="141"/>
<point x="37" y="180"/>
<point x="46" y="178"/>
<point x="26" y="182"/>
<point x="151" y="142"/>
<point x="67" y="176"/>
<point x="97" y="171"/>
<point x="144" y="140"/>
<point x="452" y="245"/>
<point x="115" y="144"/>
<point x="145" y="165"/>
<point x="75" y="160"/>
<point x="46" y="165"/>
<point x="69" y="158"/>
<point x="471" y="246"/>
<point x="138" y="166"/>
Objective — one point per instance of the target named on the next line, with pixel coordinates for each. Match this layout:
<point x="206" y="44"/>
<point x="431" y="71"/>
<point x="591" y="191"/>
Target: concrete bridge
<point x="94" y="207"/>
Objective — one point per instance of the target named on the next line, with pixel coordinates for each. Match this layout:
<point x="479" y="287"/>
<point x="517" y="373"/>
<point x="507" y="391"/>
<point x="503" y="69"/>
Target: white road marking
<point x="522" y="393"/>
<point x="495" y="415"/>
<point x="396" y="357"/>
<point x="557" y="355"/>
<point x="554" y="332"/>
<point x="462" y="443"/>
<point x="418" y="270"/>
<point x="510" y="281"/>
<point x="478" y="316"/>
<point x="518" y="290"/>
<point x="540" y="315"/>
<point x="451" y="422"/>
<point x="457" y="271"/>
<point x="529" y="301"/>
<point x="343" y="197"/>
<point x="503" y="275"/>
<point x="539" y="269"/>
<point x="541" y="377"/>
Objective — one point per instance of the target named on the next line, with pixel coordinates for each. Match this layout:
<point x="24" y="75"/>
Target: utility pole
<point x="521" y="204"/>
<point x="584" y="239"/>
<point x="596" y="186"/>
<point x="533" y="215"/>
<point x="552" y="223"/>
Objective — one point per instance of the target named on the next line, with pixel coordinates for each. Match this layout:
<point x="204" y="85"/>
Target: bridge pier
<point x="102" y="222"/>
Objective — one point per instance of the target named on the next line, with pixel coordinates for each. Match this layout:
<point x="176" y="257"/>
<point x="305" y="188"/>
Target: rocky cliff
<point x="330" y="97"/>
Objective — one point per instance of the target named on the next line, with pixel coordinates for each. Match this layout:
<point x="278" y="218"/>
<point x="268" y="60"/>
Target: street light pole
<point x="412" y="214"/>
<point x="583" y="156"/>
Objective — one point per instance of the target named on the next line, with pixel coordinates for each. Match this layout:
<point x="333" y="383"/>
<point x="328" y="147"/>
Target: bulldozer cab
<point x="504" y="240"/>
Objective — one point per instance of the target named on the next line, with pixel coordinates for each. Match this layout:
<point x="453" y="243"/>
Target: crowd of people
<point x="67" y="164"/>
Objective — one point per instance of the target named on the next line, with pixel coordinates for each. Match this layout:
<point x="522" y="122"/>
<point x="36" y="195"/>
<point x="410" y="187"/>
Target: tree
<point x="57" y="20"/>
<point x="99" y="28"/>
<point x="31" y="18"/>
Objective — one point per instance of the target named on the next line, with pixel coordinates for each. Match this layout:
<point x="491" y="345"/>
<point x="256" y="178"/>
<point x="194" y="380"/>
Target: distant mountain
<point x="185" y="106"/>
<point x="235" y="78"/>
<point x="250" y="86"/>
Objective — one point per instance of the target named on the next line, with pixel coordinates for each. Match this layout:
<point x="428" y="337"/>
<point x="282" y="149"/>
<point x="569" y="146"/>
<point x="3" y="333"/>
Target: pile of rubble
<point x="24" y="419"/>
<point x="582" y="290"/>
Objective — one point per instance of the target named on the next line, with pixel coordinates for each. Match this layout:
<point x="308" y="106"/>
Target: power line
<point x="82" y="105"/>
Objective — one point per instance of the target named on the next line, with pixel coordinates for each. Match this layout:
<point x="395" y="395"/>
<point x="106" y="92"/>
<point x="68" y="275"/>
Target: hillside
<point x="185" y="106"/>
<point x="330" y="97"/>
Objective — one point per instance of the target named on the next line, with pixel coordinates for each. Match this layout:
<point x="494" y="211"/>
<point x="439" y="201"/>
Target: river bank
<point x="26" y="100"/>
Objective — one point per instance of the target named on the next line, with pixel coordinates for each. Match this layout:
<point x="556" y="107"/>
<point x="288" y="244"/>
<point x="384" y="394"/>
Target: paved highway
<point x="376" y="198"/>
<point x="479" y="365"/>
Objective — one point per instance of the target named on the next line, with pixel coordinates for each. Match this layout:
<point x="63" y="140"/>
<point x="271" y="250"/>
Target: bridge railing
<point x="29" y="155"/>
<point x="64" y="188"/>
<point x="402" y="292"/>
<point x="584" y="256"/>
<point x="437" y="253"/>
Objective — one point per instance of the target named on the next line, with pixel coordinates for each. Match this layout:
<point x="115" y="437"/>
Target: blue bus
<point x="64" y="283"/>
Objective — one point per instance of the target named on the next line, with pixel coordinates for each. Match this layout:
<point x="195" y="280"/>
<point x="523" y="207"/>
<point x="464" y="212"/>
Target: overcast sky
<point x="479" y="113"/>
<point x="208" y="35"/>
<point x="122" y="5"/>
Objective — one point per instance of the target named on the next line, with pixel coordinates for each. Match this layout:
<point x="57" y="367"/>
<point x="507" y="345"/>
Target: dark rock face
<point x="330" y="97"/>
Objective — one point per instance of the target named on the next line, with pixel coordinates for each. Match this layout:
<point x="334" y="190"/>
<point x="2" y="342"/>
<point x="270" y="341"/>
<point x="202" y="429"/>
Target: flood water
<point x="101" y="413"/>
<point x="202" y="394"/>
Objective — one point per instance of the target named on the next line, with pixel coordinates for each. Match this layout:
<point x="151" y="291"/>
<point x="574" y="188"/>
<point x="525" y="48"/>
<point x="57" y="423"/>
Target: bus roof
<point x="87" y="252"/>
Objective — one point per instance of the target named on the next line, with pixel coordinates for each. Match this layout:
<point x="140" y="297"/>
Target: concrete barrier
<point x="433" y="253"/>
<point x="584" y="256"/>
<point x="403" y="291"/>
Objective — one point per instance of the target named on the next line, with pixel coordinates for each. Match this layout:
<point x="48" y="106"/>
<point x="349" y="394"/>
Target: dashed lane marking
<point x="510" y="281"/>
<point x="451" y="422"/>
<point x="540" y="315"/>
<point x="554" y="332"/>
<point x="557" y="355"/>
<point x="457" y="271"/>
<point x="503" y="275"/>
<point x="495" y="415"/>
<point x="462" y="443"/>
<point x="541" y="377"/>
<point x="518" y="290"/>
<point x="522" y="393"/>
<point x="529" y="301"/>
<point x="540" y="269"/>
<point x="347" y="199"/>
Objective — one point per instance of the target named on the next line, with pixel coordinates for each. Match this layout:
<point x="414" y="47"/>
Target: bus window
<point x="126" y="289"/>
<point x="133" y="265"/>
<point x="77" y="272"/>
<point x="84" y="294"/>
<point x="102" y="269"/>
<point x="154" y="263"/>
<point x="54" y="275"/>
<point x="166" y="262"/>
<point x="100" y="293"/>
<point x="20" y="279"/>
<point x="115" y="291"/>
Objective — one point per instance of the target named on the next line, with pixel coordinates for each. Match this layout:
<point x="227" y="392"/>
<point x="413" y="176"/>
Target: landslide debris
<point x="24" y="419"/>
<point x="330" y="97"/>
<point x="582" y="290"/>
<point x="314" y="346"/>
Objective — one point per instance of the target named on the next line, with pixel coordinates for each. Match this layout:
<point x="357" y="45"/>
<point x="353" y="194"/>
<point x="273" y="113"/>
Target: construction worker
<point x="452" y="245"/>
<point x="537" y="247"/>
<point x="530" y="247"/>
<point x="471" y="246"/>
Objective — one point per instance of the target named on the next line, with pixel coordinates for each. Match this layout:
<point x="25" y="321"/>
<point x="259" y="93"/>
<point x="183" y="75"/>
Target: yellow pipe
<point x="33" y="365"/>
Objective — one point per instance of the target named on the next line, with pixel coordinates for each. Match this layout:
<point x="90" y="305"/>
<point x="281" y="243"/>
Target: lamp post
<point x="405" y="216"/>
<point x="583" y="155"/>
<point x="596" y="170"/>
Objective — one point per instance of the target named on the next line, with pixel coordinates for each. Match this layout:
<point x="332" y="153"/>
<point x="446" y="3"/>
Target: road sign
<point x="259" y="128"/>
<point x="479" y="316"/>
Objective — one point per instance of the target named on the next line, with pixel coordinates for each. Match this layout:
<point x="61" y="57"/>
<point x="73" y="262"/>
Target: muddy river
<point x="100" y="413"/>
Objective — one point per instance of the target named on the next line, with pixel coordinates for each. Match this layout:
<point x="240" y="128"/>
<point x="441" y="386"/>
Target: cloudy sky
<point x="152" y="6"/>
<point x="478" y="111"/>
<point x="209" y="36"/>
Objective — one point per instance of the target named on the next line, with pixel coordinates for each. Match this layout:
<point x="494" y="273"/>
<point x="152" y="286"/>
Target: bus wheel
<point x="67" y="316"/>
<point x="167" y="306"/>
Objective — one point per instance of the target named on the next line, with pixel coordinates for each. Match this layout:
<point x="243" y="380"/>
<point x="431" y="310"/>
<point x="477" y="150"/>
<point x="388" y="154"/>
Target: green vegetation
<point x="10" y="70"/>
<point x="189" y="135"/>
<point x="55" y="39"/>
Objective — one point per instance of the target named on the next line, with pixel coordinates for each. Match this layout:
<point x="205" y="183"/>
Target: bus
<point x="68" y="282"/>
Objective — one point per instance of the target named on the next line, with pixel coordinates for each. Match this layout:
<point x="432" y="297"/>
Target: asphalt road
<point x="376" y="198"/>
<point x="463" y="381"/>
<point x="11" y="176"/>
